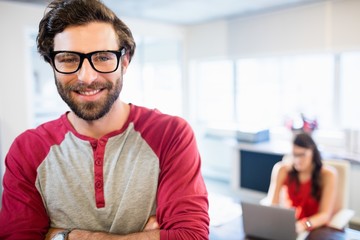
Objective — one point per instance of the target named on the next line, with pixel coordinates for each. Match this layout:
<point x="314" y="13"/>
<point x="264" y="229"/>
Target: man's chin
<point x="90" y="116"/>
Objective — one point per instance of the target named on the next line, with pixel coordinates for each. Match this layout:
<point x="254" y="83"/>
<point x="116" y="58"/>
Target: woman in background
<point x="309" y="186"/>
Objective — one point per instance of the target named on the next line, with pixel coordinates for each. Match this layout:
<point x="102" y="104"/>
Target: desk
<point x="233" y="230"/>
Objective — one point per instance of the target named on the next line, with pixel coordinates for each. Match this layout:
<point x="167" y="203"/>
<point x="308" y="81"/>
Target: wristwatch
<point x="61" y="235"/>
<point x="308" y="224"/>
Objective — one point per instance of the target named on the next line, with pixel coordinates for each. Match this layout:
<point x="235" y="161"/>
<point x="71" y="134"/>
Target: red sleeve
<point x="23" y="215"/>
<point x="182" y="202"/>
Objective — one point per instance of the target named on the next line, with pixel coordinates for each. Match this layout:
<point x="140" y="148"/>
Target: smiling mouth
<point x="89" y="93"/>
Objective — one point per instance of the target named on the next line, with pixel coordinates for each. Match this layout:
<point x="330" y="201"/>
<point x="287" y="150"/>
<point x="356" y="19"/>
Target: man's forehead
<point x="95" y="35"/>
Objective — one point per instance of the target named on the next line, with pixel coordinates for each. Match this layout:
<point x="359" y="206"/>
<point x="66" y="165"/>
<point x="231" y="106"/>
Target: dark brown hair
<point x="304" y="140"/>
<point x="64" y="13"/>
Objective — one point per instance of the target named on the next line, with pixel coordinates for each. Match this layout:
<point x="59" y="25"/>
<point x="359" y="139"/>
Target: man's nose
<point x="86" y="72"/>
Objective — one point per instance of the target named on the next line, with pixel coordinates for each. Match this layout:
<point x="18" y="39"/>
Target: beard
<point x="93" y="110"/>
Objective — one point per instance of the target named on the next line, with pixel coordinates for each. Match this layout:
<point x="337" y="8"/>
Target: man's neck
<point x="113" y="120"/>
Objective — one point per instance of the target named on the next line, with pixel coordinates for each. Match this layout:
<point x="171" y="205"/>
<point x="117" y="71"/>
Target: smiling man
<point x="106" y="169"/>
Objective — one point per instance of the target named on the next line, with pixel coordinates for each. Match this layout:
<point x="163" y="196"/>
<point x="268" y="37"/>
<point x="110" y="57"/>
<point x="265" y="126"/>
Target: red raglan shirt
<point x="56" y="177"/>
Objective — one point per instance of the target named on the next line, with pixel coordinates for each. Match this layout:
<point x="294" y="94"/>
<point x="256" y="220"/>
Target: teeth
<point x="88" y="93"/>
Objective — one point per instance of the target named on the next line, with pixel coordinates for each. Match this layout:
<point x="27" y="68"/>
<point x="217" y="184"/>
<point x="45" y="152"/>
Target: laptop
<point x="270" y="222"/>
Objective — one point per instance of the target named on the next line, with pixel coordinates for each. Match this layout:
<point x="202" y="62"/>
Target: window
<point x="349" y="90"/>
<point x="307" y="86"/>
<point x="256" y="93"/>
<point x="154" y="78"/>
<point x="271" y="90"/>
<point x="258" y="96"/>
<point x="215" y="91"/>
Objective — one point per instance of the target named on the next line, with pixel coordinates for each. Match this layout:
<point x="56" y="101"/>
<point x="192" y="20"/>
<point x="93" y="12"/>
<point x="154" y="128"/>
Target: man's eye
<point x="104" y="57"/>
<point x="67" y="58"/>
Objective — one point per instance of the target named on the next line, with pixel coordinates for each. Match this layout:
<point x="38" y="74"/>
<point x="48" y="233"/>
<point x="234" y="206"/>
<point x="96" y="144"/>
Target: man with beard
<point x="106" y="169"/>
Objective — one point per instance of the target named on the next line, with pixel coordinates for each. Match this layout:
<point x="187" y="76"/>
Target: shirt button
<point x="98" y="184"/>
<point x="98" y="162"/>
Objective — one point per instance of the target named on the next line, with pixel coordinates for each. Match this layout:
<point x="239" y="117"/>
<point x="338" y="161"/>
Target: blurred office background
<point x="224" y="65"/>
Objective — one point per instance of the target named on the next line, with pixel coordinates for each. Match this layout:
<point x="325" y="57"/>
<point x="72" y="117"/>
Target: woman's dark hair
<point x="64" y="13"/>
<point x="304" y="140"/>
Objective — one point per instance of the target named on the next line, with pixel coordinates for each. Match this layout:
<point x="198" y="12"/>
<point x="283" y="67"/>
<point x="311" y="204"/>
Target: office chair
<point x="343" y="216"/>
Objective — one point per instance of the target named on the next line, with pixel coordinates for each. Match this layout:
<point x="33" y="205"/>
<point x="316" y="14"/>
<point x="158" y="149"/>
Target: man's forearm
<point x="87" y="235"/>
<point x="77" y="234"/>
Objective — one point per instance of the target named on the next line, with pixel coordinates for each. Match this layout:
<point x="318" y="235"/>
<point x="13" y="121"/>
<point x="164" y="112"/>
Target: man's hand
<point x="77" y="234"/>
<point x="52" y="232"/>
<point x="151" y="224"/>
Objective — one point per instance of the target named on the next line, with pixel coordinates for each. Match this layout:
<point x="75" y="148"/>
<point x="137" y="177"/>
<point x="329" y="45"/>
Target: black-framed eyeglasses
<point x="68" y="62"/>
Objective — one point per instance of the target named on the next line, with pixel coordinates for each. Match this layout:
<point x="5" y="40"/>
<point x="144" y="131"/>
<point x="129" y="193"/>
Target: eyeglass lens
<point x="68" y="62"/>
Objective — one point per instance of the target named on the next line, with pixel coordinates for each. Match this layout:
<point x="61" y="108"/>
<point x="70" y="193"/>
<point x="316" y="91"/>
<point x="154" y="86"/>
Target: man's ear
<point x="125" y="61"/>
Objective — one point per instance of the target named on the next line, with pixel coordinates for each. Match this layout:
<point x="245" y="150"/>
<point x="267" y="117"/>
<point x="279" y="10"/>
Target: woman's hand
<point x="300" y="227"/>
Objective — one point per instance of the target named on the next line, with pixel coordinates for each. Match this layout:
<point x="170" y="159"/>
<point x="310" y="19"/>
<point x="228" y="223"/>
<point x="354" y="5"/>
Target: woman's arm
<point x="327" y="202"/>
<point x="278" y="176"/>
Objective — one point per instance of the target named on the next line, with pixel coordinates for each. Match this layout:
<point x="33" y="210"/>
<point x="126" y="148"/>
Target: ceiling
<point x="187" y="12"/>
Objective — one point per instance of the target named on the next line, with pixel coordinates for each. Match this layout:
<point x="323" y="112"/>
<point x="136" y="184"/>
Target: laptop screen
<point x="268" y="222"/>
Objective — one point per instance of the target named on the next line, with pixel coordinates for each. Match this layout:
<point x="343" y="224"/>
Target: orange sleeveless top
<point x="301" y="199"/>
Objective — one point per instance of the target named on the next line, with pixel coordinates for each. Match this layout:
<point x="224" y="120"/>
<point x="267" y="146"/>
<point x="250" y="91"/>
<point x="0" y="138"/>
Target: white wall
<point x="320" y="27"/>
<point x="207" y="40"/>
<point x="300" y="29"/>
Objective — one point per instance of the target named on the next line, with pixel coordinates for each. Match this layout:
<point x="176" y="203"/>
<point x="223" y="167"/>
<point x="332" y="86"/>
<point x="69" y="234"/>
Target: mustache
<point x="81" y="86"/>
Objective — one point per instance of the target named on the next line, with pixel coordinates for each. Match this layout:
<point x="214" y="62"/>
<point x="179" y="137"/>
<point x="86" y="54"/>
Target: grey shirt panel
<point x="67" y="184"/>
